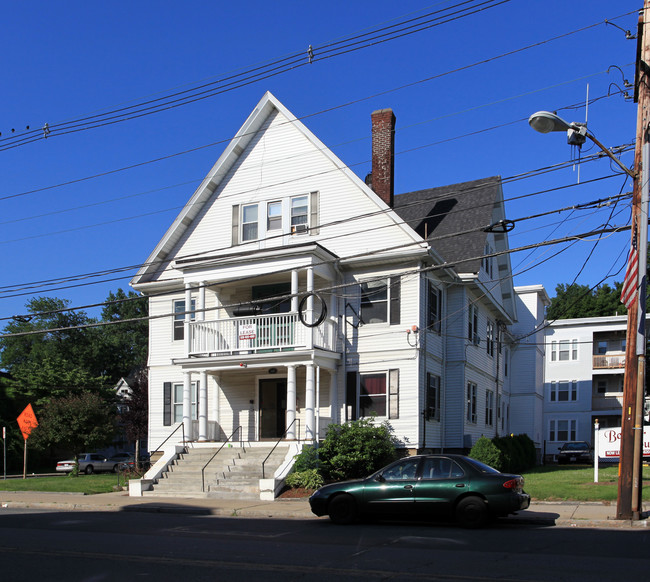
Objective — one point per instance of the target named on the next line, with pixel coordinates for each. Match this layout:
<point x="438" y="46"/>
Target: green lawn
<point x="560" y="483"/>
<point x="549" y="483"/>
<point x="88" y="484"/>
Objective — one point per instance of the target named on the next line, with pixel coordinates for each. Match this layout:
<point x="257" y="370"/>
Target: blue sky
<point x="62" y="61"/>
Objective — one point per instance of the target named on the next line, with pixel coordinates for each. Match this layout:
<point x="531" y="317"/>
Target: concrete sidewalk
<point x="562" y="514"/>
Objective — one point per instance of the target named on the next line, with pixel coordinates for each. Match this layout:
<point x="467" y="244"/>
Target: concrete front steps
<point x="234" y="472"/>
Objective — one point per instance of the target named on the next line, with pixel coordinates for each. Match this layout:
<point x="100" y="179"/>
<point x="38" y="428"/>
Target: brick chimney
<point x="383" y="154"/>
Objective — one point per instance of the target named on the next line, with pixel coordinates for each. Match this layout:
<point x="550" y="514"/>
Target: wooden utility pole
<point x="629" y="483"/>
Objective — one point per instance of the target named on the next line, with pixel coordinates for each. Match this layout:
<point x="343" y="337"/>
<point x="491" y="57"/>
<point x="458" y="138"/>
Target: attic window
<point x="299" y="214"/>
<point x="249" y="222"/>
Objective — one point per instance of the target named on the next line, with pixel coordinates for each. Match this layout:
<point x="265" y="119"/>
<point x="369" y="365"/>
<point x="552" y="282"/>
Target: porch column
<point x="187" y="404"/>
<point x="291" y="402"/>
<point x="309" y="315"/>
<point x="334" y="396"/>
<point x="201" y="307"/>
<point x="188" y="316"/>
<point x="294" y="290"/>
<point x="309" y="404"/>
<point x="216" y="398"/>
<point x="203" y="407"/>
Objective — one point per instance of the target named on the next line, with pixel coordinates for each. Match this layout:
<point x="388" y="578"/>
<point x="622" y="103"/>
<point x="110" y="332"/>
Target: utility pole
<point x="631" y="455"/>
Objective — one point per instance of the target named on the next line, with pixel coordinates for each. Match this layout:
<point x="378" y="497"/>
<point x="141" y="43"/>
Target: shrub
<point x="356" y="449"/>
<point x="487" y="452"/>
<point x="308" y="479"/>
<point x="306" y="459"/>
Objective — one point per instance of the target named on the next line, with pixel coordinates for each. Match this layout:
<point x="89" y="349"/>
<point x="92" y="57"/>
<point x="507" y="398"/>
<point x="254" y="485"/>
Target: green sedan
<point x="436" y="486"/>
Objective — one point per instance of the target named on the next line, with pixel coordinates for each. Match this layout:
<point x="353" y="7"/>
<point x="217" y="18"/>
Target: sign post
<point x="596" y="450"/>
<point x="27" y="423"/>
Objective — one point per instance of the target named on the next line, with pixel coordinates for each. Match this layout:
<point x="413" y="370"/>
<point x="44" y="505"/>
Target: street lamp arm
<point x="607" y="152"/>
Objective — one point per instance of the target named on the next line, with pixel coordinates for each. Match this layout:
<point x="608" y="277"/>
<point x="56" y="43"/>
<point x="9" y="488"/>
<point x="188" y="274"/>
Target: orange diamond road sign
<point x="27" y="421"/>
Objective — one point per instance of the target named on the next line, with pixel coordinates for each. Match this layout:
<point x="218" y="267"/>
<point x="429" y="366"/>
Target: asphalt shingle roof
<point x="451" y="209"/>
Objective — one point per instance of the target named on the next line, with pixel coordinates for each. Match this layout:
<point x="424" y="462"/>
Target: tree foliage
<point x="573" y="301"/>
<point x="76" y="423"/>
<point x="135" y="418"/>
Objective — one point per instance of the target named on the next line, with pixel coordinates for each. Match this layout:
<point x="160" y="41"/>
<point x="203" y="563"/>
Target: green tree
<point x="76" y="423"/>
<point x="576" y="301"/>
<point x="51" y="351"/>
<point x="125" y="341"/>
<point x="136" y="417"/>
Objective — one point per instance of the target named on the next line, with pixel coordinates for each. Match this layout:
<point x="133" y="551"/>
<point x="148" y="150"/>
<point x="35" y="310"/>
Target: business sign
<point x="609" y="443"/>
<point x="247" y="331"/>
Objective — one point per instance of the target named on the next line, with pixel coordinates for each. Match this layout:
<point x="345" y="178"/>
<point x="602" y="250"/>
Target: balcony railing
<point x="602" y="361"/>
<point x="258" y="334"/>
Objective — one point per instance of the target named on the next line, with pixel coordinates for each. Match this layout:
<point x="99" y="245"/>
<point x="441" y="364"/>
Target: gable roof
<point x="265" y="109"/>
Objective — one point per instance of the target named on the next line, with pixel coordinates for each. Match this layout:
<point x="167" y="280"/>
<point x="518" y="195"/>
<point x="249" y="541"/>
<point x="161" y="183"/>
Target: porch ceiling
<point x="325" y="359"/>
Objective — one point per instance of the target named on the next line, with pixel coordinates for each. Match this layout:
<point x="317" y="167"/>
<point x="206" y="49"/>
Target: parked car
<point x="88" y="463"/>
<point x="446" y="486"/>
<point x="575" y="452"/>
<point x="127" y="463"/>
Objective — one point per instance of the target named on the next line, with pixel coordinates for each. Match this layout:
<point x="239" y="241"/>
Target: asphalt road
<point x="107" y="546"/>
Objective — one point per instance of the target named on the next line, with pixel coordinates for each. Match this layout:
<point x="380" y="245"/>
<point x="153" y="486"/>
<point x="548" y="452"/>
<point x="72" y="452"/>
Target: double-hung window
<point x="179" y="317"/>
<point x="564" y="391"/>
<point x="373" y="395"/>
<point x="177" y="404"/>
<point x="274" y="216"/>
<point x="564" y="350"/>
<point x="249" y="226"/>
<point x="380" y="301"/>
<point x="299" y="214"/>
<point x="433" y="397"/>
<point x="472" y="324"/>
<point x="489" y="408"/>
<point x="562" y="430"/>
<point x="434" y="297"/>
<point x="471" y="402"/>
<point x="489" y="338"/>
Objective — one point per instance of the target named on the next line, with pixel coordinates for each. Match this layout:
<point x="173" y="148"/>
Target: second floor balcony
<point x="258" y="334"/>
<point x="609" y="361"/>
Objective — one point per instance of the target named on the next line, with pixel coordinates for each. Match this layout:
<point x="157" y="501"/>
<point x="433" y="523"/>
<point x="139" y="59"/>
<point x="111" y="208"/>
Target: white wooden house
<point x="417" y="290"/>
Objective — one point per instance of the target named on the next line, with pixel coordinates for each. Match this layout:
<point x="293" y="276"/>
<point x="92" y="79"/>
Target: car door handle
<point x="460" y="484"/>
<point x="408" y="486"/>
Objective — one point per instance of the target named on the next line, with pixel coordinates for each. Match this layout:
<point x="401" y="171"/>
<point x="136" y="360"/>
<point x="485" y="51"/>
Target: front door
<point x="273" y="407"/>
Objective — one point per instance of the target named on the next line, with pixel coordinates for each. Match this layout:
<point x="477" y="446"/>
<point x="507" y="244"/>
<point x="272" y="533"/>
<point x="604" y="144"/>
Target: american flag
<point x="631" y="282"/>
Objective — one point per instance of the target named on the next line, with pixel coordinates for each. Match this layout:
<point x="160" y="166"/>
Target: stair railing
<point x="295" y="421"/>
<point x="182" y="427"/>
<point x="241" y="444"/>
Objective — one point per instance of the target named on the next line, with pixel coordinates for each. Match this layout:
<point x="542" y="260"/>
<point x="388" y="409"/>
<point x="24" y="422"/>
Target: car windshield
<point x="575" y="447"/>
<point x="482" y="467"/>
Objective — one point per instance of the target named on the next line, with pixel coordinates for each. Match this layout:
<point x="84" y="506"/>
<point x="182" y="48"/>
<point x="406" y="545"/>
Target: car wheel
<point x="472" y="512"/>
<point x="343" y="509"/>
<point x="116" y="468"/>
<point x="89" y="470"/>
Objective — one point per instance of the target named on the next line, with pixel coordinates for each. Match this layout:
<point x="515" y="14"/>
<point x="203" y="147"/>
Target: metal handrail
<point x="181" y="426"/>
<point x="241" y="442"/>
<point x="295" y="420"/>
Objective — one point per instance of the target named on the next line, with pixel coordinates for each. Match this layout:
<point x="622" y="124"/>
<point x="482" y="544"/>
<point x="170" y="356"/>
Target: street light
<point x="630" y="466"/>
<point x="546" y="122"/>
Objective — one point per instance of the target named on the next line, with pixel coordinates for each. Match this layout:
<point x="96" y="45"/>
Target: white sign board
<point x="247" y="331"/>
<point x="609" y="443"/>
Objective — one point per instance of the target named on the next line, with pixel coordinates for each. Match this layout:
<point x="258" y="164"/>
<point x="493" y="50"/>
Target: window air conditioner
<point x="299" y="229"/>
